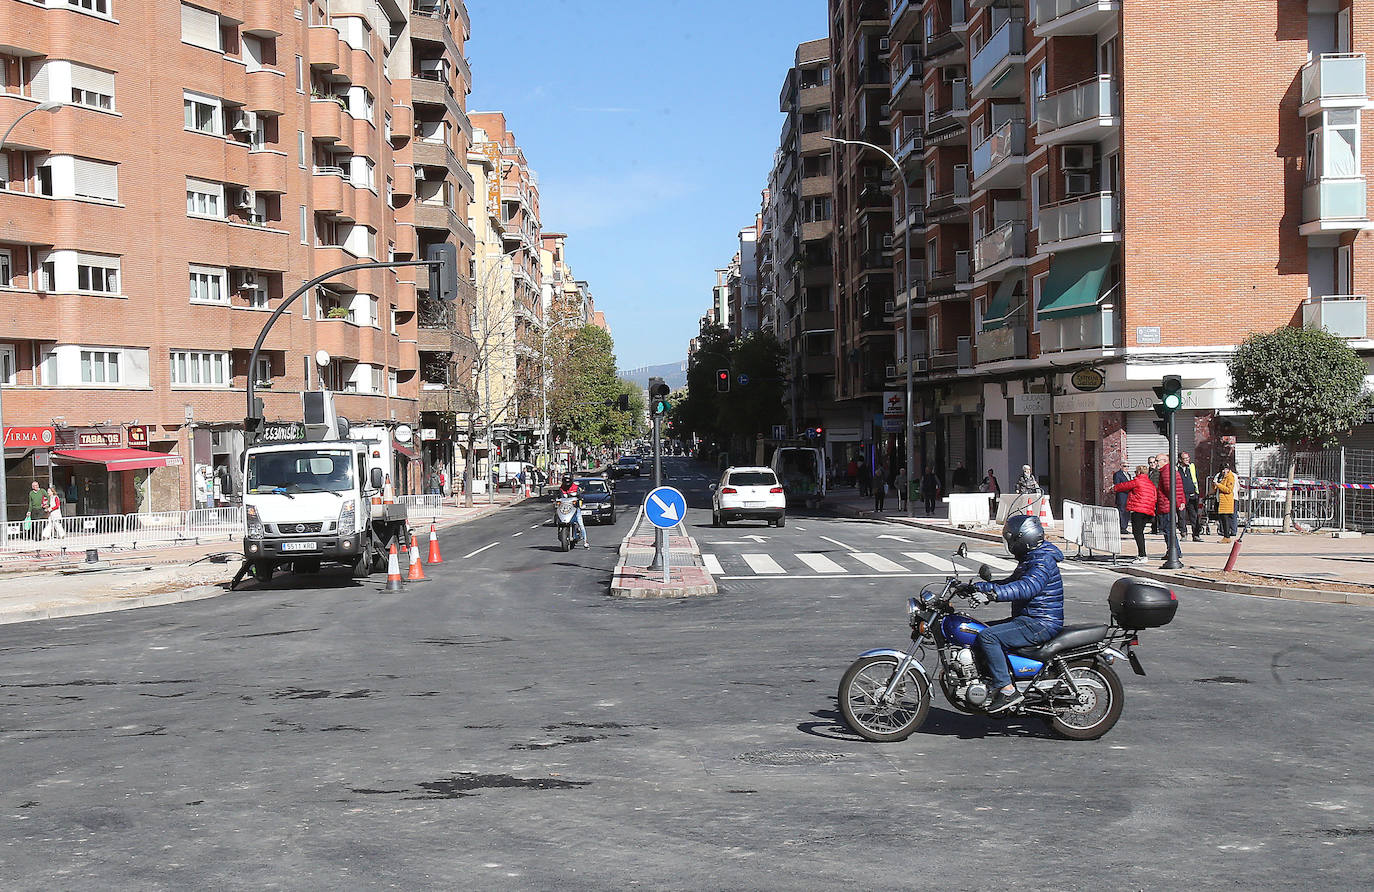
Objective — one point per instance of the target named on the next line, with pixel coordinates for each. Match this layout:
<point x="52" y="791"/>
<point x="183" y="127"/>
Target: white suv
<point x="748" y="494"/>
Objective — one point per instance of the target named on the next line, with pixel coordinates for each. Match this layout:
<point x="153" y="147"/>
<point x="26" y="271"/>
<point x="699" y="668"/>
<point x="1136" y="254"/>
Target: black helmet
<point x="1022" y="533"/>
<point x="567" y="480"/>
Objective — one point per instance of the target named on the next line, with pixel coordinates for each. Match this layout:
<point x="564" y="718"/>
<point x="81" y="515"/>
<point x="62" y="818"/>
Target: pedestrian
<point x="33" y="523"/>
<point x="829" y="472"/>
<point x="880" y="487"/>
<point x="443" y="483"/>
<point x="1153" y="463"/>
<point x="54" y="528"/>
<point x="990" y="484"/>
<point x="1027" y="484"/>
<point x="903" y="487"/>
<point x="1192" y="493"/>
<point x="1171" y="492"/>
<point x="930" y="490"/>
<point x="1141" y="498"/>
<point x="851" y="473"/>
<point x="1121" y="496"/>
<point x="865" y="476"/>
<point x="1224" y="485"/>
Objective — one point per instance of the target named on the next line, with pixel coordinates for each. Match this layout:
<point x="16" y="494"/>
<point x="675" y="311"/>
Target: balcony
<point x="1064" y="18"/>
<point x="1089" y="220"/>
<point x="1334" y="204"/>
<point x="267" y="170"/>
<point x="817" y="231"/>
<point x="905" y="14"/>
<point x="1007" y="342"/>
<point x="35" y="131"/>
<point x="1344" y="315"/>
<point x="1005" y="243"/>
<point x="810" y="99"/>
<point x="953" y="115"/>
<point x="945" y="281"/>
<point x="906" y="89"/>
<point x="1334" y="80"/>
<point x="324" y="46"/>
<point x="1086" y="112"/>
<point x="326" y="119"/>
<point x="1095" y="330"/>
<point x="266" y="91"/>
<point x="996" y="68"/>
<point x="910" y="147"/>
<point x="941" y="202"/>
<point x="264" y="18"/>
<point x="999" y="162"/>
<point x="914" y="219"/>
<point x="327" y="192"/>
<point x="943" y="42"/>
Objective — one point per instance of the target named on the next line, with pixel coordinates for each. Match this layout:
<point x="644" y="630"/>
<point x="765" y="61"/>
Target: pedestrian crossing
<point x="861" y="564"/>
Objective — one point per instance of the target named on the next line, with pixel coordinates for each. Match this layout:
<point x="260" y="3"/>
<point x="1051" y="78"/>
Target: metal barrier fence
<point x="1092" y="527"/>
<point x="1332" y="488"/>
<point x="428" y="505"/>
<point x="123" y="530"/>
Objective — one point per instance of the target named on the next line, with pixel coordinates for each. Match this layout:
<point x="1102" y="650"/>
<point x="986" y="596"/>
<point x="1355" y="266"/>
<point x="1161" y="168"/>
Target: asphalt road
<point x="508" y="725"/>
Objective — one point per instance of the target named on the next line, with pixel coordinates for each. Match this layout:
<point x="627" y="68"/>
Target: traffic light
<point x="443" y="273"/>
<point x="623" y="404"/>
<point x="820" y="432"/>
<point x="722" y="380"/>
<point x="658" y="396"/>
<point x="1170" y="394"/>
<point x="661" y="407"/>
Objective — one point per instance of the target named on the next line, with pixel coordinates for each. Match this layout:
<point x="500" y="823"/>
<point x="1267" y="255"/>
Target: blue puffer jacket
<point x="1035" y="588"/>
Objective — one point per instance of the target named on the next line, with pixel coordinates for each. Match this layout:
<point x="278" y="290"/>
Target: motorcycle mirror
<point x="712" y="487"/>
<point x="962" y="551"/>
<point x="985" y="573"/>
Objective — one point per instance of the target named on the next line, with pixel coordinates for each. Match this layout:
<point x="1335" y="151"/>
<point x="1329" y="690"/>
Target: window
<point x="100" y="366"/>
<point x="47" y="276"/>
<point x="9" y="365"/>
<point x="375" y="312"/>
<point x="6" y="270"/>
<point x="45" y="179"/>
<point x="204" y="199"/>
<point x="305" y="231"/>
<point x="391" y="381"/>
<point x="200" y="27"/>
<point x="262" y="376"/>
<point x="254" y="52"/>
<point x="193" y="368"/>
<point x="300" y="149"/>
<point x="202" y="113"/>
<point x="97" y="274"/>
<point x="994" y="433"/>
<point x="386" y="127"/>
<point x="207" y="285"/>
<point x="300" y="74"/>
<point x="361" y="172"/>
<point x="101" y="7"/>
<point x="95" y="179"/>
<point x="1037" y="89"/>
<point x="376" y="379"/>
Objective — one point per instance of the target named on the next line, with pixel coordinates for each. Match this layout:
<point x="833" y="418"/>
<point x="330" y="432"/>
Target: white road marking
<point x="820" y="563"/>
<point x="803" y="529"/>
<point x="832" y="576"/>
<point x="924" y="557"/>
<point x="521" y="533"/>
<point x="992" y="561"/>
<point x="839" y="543"/>
<point x="762" y="564"/>
<point x="712" y="565"/>
<point x="878" y="562"/>
<point x="479" y="551"/>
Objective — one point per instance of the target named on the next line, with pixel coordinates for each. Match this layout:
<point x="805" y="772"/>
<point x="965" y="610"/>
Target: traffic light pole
<point x="660" y="561"/>
<point x="1173" y="559"/>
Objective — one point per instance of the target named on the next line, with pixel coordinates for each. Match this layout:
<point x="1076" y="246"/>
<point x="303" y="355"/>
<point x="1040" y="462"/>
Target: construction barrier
<point x="969" y="509"/>
<point x="157" y="528"/>
<point x="1038" y="505"/>
<point x="427" y="505"/>
<point x="1092" y="527"/>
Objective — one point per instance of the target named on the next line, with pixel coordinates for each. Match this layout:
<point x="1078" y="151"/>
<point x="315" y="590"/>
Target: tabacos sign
<point x="29" y="437"/>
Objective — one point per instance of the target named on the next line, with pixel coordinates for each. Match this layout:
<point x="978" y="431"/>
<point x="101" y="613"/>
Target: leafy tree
<point x="1303" y="388"/>
<point x="735" y="418"/>
<point x="585" y="390"/>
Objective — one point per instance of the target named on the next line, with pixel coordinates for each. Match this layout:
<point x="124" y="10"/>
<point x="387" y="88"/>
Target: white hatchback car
<point x="748" y="494"/>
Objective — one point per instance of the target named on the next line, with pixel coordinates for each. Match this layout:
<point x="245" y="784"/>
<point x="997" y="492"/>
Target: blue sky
<point x="652" y="126"/>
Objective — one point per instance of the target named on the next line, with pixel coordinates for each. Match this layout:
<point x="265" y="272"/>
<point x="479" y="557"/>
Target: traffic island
<point x="633" y="578"/>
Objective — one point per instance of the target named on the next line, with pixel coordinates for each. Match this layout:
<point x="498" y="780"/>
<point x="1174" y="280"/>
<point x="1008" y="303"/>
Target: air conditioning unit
<point x="889" y="307"/>
<point x="885" y="113"/>
<point x="919" y="365"/>
<point x="246" y="199"/>
<point x="951" y="73"/>
<point x="920" y="290"/>
<point x="888" y="242"/>
<point x="1078" y="183"/>
<point x="891" y="371"/>
<point x="871" y="171"/>
<point x="248" y="280"/>
<point x="419" y="174"/>
<point x="1077" y="157"/>
<point x="883" y="44"/>
<point x="245" y="122"/>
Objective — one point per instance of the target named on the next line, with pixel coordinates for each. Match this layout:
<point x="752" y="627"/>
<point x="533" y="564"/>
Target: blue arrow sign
<point x="743" y="380"/>
<point x="665" y="507"/>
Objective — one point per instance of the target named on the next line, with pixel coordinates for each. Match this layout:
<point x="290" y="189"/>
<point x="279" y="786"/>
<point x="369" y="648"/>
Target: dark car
<point x="627" y="466"/>
<point x="598" y="499"/>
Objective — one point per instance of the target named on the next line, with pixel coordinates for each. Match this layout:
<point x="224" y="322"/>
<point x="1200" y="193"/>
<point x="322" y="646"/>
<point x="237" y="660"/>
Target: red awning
<point x="117" y="459"/>
<point x="407" y="453"/>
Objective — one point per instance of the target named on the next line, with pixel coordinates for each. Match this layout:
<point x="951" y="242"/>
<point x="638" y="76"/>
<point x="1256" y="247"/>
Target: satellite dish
<point x="321" y="358"/>
<point x="404" y="434"/>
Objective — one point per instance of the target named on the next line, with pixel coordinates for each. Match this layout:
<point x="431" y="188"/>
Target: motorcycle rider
<point x="1036" y="592"/>
<point x="569" y="487"/>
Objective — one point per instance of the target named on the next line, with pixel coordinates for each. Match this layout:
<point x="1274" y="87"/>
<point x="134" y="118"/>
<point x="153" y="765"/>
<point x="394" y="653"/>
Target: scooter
<point x="564" y="510"/>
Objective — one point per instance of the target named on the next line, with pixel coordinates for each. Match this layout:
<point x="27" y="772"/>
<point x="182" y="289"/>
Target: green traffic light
<point x="1173" y="401"/>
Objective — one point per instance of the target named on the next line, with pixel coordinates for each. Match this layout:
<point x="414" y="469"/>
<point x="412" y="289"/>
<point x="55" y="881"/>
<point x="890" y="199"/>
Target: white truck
<point x="316" y="497"/>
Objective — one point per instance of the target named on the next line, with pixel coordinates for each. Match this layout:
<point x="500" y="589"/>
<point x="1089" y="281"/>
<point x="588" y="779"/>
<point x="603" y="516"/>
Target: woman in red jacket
<point x="1141" y="505"/>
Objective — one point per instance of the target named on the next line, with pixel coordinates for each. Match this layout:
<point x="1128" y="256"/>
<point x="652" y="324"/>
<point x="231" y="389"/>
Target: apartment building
<point x="142" y="250"/>
<point x="799" y="231"/>
<point x="1103" y="198"/>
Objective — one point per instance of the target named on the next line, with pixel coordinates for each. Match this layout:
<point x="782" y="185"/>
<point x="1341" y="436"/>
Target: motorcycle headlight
<point x="913" y="608"/>
<point x="253" y="523"/>
<point x="347" y="518"/>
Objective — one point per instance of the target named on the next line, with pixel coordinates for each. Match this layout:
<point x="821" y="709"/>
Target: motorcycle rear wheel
<point x="862" y="686"/>
<point x="1106" y="698"/>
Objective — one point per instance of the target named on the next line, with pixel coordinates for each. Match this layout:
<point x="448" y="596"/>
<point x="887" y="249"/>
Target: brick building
<point x="206" y="161"/>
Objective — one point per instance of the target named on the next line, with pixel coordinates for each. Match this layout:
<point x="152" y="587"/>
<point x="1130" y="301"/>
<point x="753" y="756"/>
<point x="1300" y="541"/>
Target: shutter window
<point x="1143" y="441"/>
<point x="96" y="179"/>
<point x="93" y="79"/>
<point x="199" y="27"/>
<point x="39" y="84"/>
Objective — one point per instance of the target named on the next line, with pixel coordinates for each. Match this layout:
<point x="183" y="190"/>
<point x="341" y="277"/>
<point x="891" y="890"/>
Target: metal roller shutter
<point x="1143" y="441"/>
<point x="93" y="79"/>
<point x="200" y="27"/>
<point x="96" y="179"/>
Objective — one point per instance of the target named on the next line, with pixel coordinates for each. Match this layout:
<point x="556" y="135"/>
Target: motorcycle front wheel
<point x="1102" y="701"/>
<point x="872" y="718"/>
<point x="564" y="538"/>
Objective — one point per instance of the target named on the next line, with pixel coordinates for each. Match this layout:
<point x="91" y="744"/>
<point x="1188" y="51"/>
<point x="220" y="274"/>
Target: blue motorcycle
<point x="1069" y="681"/>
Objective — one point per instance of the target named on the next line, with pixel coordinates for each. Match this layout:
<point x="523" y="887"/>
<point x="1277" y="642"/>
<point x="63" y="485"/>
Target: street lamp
<point x="4" y="490"/>
<point x="906" y="311"/>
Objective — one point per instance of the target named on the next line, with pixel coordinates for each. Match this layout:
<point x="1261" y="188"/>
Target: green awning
<point x="1074" y="285"/>
<point x="1001" y="307"/>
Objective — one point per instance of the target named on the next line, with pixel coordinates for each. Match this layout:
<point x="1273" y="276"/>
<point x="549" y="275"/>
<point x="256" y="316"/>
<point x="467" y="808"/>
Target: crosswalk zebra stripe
<point x="995" y="563"/>
<point x="878" y="562"/>
<point x="940" y="564"/>
<point x="762" y="564"/>
<point x="712" y="565"/>
<point x="820" y="563"/>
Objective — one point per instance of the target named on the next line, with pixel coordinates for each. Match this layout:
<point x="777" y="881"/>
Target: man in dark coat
<point x="1123" y="476"/>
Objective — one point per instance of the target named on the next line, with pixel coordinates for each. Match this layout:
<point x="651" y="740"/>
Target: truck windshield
<point x="312" y="470"/>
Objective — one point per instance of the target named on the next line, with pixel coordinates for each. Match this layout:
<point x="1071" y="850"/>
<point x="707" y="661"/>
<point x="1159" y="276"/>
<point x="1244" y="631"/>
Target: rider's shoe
<point x="1002" y="700"/>
<point x="584" y="544"/>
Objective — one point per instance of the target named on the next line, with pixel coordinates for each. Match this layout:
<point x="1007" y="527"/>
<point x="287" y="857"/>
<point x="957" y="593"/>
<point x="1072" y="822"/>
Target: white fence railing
<point x="427" y="505"/>
<point x="123" y="530"/>
<point x="1092" y="527"/>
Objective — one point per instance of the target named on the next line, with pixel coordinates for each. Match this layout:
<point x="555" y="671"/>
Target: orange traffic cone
<point x="434" y="557"/>
<point x="393" y="572"/>
<point x="417" y="573"/>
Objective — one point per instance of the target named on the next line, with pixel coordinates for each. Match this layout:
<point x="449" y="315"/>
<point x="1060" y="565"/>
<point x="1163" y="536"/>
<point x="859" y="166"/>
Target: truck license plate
<point x="299" y="546"/>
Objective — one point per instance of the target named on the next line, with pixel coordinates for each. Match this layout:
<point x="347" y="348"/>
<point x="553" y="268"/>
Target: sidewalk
<point x="1306" y="566"/>
<point x="49" y="588"/>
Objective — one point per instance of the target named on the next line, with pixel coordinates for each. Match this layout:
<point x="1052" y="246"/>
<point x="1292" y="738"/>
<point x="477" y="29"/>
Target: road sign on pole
<point x="665" y="507"/>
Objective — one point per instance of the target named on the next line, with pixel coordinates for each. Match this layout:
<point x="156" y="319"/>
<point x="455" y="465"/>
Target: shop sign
<point x="281" y="431"/>
<point x="1136" y="401"/>
<point x="894" y="404"/>
<point x="428" y="433"/>
<point x="99" y="439"/>
<point x="138" y="436"/>
<point x="1088" y="380"/>
<point x="1031" y="404"/>
<point x="29" y="437"/>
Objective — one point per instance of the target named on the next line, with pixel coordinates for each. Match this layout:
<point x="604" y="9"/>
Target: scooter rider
<point x="569" y="487"/>
<point x="1036" y="592"/>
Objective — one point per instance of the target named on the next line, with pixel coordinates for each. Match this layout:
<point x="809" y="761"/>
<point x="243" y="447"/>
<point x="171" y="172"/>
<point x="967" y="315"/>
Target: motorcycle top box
<point x="1136" y="604"/>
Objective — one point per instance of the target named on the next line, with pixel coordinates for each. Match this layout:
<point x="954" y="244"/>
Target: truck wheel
<point x="362" y="567"/>
<point x="263" y="570"/>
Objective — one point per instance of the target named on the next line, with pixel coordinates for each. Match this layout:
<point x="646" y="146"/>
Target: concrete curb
<point x="626" y="574"/>
<point x="1311" y="595"/>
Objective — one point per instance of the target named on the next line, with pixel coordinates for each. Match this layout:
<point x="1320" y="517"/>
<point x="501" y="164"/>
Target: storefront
<point x="100" y="470"/>
<point x="26" y="461"/>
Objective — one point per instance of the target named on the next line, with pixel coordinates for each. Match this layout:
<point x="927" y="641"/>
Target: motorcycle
<point x="1069" y="681"/>
<point x="569" y="533"/>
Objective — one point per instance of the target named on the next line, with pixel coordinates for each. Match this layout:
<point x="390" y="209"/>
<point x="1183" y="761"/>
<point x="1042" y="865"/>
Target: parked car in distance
<point x="748" y="493"/>
<point x="626" y="466"/>
<point x="598" y="499"/>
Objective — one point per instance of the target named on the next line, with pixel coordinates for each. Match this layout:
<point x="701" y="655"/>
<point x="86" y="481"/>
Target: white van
<point x="802" y="472"/>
